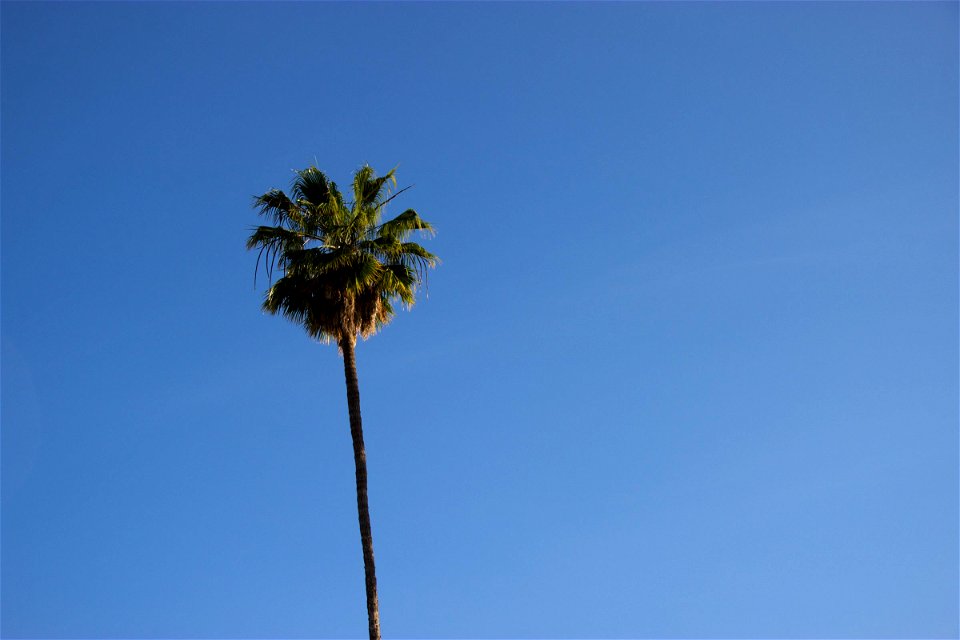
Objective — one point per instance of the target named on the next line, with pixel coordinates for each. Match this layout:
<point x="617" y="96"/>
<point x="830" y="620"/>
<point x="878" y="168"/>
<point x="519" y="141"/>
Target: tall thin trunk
<point x="360" y="461"/>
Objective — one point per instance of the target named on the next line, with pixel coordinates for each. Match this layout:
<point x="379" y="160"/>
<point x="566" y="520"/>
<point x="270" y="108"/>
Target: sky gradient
<point x="689" y="367"/>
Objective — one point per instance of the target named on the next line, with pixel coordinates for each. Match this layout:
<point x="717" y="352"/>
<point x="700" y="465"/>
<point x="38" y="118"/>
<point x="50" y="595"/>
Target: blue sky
<point x="689" y="367"/>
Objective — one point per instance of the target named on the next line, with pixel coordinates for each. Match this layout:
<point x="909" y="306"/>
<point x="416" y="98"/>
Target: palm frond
<point x="310" y="185"/>
<point x="277" y="206"/>
<point x="403" y="225"/>
<point x="368" y="188"/>
<point x="276" y="244"/>
<point x="417" y="259"/>
<point x="364" y="273"/>
<point x="264" y="235"/>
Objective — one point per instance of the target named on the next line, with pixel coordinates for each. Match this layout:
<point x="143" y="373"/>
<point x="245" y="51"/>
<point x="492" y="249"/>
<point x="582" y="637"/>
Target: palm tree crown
<point x="343" y="269"/>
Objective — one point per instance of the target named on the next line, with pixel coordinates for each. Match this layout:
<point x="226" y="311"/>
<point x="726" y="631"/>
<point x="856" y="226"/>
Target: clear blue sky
<point x="689" y="368"/>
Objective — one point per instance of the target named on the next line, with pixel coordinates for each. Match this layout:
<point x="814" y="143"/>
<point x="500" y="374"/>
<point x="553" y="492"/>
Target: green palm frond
<point x="370" y="194"/>
<point x="310" y="186"/>
<point x="277" y="206"/>
<point x="290" y="239"/>
<point x="403" y="225"/>
<point x="368" y="189"/>
<point x="342" y="269"/>
<point x="277" y="243"/>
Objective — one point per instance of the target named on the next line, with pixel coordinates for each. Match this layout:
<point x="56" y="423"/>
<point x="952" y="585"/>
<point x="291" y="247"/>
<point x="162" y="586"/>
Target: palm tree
<point x="343" y="270"/>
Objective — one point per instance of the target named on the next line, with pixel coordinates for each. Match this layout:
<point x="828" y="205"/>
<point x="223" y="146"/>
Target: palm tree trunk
<point x="360" y="461"/>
